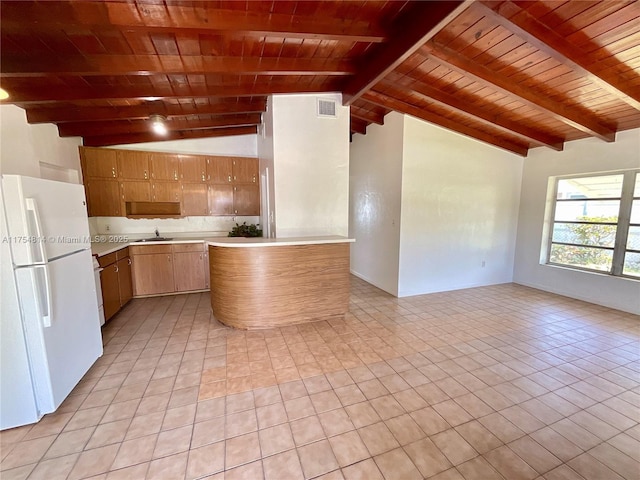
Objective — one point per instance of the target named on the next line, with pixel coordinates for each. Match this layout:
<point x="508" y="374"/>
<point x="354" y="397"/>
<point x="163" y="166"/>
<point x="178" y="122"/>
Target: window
<point x="596" y="223"/>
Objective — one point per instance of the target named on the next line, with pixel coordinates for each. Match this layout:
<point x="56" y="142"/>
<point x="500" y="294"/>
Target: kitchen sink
<point x="155" y="239"/>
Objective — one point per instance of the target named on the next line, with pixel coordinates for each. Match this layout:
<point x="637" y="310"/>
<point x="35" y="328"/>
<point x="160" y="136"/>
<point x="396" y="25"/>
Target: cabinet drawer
<point x="149" y="249"/>
<point x="108" y="259"/>
<point x="188" y="247"/>
<point x="123" y="253"/>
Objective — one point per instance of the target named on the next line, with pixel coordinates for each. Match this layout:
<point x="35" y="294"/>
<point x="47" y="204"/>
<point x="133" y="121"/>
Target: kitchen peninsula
<point x="273" y="282"/>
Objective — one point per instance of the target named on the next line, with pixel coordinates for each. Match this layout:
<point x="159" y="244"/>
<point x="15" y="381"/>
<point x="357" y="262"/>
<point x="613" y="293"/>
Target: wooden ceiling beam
<point x="93" y="129"/>
<point x="450" y="102"/>
<point x="100" y="16"/>
<point x="525" y="26"/>
<point x="399" y="106"/>
<point x="24" y="95"/>
<point x="125" y="139"/>
<point x="463" y="65"/>
<point x="367" y="115"/>
<point x="358" y="126"/>
<point x="97" y="114"/>
<point x="88" y="65"/>
<point x="421" y="22"/>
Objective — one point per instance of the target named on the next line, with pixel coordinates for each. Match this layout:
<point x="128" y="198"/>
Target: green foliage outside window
<point x="592" y="234"/>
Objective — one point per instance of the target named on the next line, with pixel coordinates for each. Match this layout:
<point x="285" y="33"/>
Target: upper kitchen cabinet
<point x="133" y="165"/>
<point x="139" y="184"/>
<point x="193" y="168"/>
<point x="245" y="170"/>
<point x="165" y="166"/>
<point x="103" y="197"/>
<point x="136" y="191"/>
<point x="99" y="162"/>
<point x="246" y="200"/>
<point x="220" y="170"/>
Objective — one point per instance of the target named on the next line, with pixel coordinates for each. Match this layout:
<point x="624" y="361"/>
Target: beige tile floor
<point x="484" y="383"/>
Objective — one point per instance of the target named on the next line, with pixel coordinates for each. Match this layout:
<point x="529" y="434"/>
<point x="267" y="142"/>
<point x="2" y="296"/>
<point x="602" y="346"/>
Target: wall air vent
<point x="326" y="108"/>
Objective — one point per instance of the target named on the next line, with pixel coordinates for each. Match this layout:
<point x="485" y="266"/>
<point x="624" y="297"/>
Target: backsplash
<point x="143" y="226"/>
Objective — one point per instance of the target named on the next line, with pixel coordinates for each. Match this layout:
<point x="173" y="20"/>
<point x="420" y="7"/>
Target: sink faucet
<point x="157" y="232"/>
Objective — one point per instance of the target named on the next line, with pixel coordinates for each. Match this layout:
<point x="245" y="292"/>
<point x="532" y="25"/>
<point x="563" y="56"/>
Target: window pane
<point x="635" y="210"/>
<point x="633" y="240"/>
<point x="632" y="264"/>
<point x="596" y="235"/>
<point x="588" y="210"/>
<point x="585" y="257"/>
<point x="603" y="186"/>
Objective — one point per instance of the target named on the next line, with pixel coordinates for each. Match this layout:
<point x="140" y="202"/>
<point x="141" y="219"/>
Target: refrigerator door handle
<point x="35" y="224"/>
<point x="44" y="297"/>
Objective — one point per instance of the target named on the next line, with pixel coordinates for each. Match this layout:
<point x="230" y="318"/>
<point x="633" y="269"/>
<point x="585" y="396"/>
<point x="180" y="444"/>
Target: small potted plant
<point x="245" y="230"/>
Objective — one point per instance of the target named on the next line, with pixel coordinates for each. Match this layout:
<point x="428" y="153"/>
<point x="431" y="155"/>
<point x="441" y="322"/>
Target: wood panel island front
<point x="274" y="282"/>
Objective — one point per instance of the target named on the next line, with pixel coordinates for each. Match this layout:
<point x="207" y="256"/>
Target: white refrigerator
<point x="49" y="325"/>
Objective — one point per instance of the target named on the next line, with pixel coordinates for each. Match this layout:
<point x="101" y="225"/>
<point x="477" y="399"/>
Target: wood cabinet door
<point x="152" y="274"/>
<point x="220" y="200"/>
<point x="133" y="165"/>
<point x="195" y="199"/>
<point x="246" y="200"/>
<point x="219" y="169"/>
<point x="245" y="170"/>
<point x="188" y="271"/>
<point x="125" y="285"/>
<point x="165" y="166"/>
<point x="99" y="162"/>
<point x="193" y="168"/>
<point x="104" y="198"/>
<point x="110" y="290"/>
<point x="136" y="191"/>
<point x="166" y="192"/>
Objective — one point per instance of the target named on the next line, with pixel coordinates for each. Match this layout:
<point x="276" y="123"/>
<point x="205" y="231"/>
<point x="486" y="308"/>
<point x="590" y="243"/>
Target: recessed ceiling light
<point x="3" y="94"/>
<point x="158" y="125"/>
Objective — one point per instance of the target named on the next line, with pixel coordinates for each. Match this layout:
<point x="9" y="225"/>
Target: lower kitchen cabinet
<point x="125" y="285"/>
<point x="159" y="269"/>
<point x="152" y="269"/>
<point x="189" y="267"/>
<point x="110" y="290"/>
<point x="115" y="279"/>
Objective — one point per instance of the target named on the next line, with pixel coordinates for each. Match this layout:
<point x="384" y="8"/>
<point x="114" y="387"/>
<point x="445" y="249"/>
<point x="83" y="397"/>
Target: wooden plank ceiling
<point x="514" y="74"/>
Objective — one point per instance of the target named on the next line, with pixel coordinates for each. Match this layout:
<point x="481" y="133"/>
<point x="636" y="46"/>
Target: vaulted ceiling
<point x="514" y="74"/>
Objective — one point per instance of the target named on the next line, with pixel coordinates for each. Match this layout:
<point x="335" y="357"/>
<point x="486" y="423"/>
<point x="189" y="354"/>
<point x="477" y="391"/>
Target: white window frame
<point x="622" y="231"/>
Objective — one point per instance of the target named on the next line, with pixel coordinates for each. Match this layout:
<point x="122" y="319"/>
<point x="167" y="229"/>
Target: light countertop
<point x="106" y="244"/>
<point x="109" y="243"/>
<point x="276" y="242"/>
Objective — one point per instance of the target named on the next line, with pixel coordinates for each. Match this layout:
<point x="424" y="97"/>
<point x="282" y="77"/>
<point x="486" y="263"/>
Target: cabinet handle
<point x="254" y="179"/>
<point x="169" y="258"/>
<point x="116" y="270"/>
<point x="203" y="179"/>
<point x="113" y="171"/>
<point x="175" y="175"/>
<point x="146" y="175"/>
<point x="229" y="177"/>
<point x="128" y="261"/>
<point x="200" y="256"/>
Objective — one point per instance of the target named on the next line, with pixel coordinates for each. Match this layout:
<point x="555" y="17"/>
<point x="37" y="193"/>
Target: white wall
<point x="235" y="145"/>
<point x="36" y="150"/>
<point x="311" y="167"/>
<point x="580" y="156"/>
<point x="459" y="209"/>
<point x="375" y="188"/>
